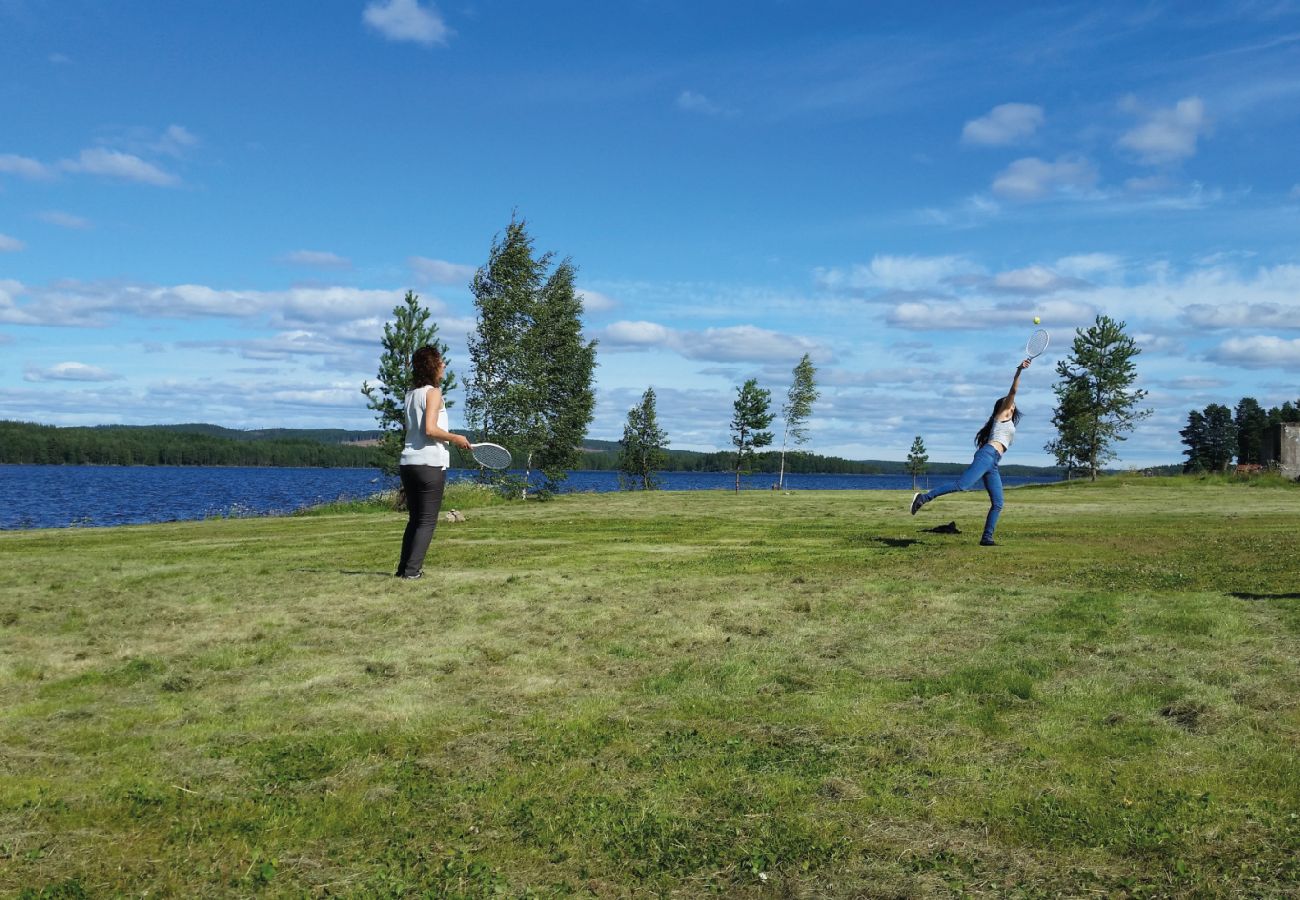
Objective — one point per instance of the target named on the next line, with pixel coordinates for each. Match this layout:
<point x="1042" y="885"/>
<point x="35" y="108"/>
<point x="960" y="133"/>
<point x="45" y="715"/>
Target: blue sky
<point x="208" y="209"/>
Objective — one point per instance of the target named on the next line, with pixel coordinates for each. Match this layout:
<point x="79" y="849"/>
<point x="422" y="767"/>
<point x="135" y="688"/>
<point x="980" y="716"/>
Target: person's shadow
<point x="1246" y="595"/>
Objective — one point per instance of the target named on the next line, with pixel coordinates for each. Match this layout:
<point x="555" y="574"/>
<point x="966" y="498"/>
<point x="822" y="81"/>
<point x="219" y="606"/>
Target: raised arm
<point x="433" y="403"/>
<point x="1015" y="382"/>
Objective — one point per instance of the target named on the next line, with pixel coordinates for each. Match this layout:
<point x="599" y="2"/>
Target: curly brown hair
<point x="425" y="363"/>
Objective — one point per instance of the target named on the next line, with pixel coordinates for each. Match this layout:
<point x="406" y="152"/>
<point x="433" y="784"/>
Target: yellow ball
<point x="1035" y="320"/>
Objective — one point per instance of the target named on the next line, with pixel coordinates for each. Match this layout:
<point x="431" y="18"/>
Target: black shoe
<point x="918" y="500"/>
<point x="419" y="574"/>
<point x="988" y="543"/>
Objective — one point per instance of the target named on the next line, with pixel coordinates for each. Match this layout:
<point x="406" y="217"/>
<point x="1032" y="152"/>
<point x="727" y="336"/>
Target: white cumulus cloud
<point x="1009" y="123"/>
<point x="1168" y="135"/>
<point x="70" y="371"/>
<point x="407" y="20"/>
<point x="439" y="271"/>
<point x="116" y="164"/>
<point x="735" y="343"/>
<point x="11" y="244"/>
<point x="695" y="102"/>
<point x="1032" y="178"/>
<point x="1258" y="352"/>
<point x="24" y="167"/>
<point x="884" y="272"/>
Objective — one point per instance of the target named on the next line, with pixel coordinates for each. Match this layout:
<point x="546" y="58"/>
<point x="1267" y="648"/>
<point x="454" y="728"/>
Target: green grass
<point x="794" y="695"/>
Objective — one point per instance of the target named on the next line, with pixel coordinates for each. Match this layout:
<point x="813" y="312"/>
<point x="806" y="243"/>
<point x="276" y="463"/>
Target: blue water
<point x="60" y="496"/>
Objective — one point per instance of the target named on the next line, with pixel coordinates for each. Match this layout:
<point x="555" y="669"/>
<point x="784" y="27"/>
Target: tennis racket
<point x="492" y="456"/>
<point x="1037" y="343"/>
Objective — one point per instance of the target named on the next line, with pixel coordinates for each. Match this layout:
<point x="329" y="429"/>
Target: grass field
<point x="786" y="695"/>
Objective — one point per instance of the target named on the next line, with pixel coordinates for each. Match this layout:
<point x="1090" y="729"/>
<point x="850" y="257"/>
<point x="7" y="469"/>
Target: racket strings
<point x="1037" y="343"/>
<point x="491" y="455"/>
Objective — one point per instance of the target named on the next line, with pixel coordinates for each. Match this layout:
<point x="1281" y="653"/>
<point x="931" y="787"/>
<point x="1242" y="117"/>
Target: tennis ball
<point x="1035" y="320"/>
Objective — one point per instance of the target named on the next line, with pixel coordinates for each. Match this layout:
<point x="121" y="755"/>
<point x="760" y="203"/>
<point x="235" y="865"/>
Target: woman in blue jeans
<point x="992" y="440"/>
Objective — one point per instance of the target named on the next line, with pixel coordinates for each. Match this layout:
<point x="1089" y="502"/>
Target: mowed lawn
<point x="680" y="694"/>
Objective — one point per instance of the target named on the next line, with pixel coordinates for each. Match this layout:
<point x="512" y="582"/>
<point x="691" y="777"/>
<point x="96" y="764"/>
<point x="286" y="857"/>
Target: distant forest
<point x="180" y="445"/>
<point x="212" y="445"/>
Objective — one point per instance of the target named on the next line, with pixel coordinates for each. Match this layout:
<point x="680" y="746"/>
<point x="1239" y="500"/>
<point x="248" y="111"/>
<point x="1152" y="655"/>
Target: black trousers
<point x="423" y="486"/>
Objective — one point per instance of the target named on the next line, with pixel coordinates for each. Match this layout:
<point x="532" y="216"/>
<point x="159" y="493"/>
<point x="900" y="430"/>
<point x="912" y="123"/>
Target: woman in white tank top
<point x="993" y="440"/>
<point x="425" y="458"/>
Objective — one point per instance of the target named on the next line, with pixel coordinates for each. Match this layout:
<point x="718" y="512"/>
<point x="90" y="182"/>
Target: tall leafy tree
<point x="797" y="408"/>
<point x="644" y="448"/>
<point x="752" y="414"/>
<point x="409" y="330"/>
<point x="1071" y="444"/>
<point x="917" y="459"/>
<point x="1096" y="392"/>
<point x="1251" y="421"/>
<point x="531" y="388"/>
<point x="561" y="365"/>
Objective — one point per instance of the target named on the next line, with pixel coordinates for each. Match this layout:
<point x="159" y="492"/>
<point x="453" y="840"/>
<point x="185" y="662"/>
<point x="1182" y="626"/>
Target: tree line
<point x="28" y="443"/>
<point x="1214" y="436"/>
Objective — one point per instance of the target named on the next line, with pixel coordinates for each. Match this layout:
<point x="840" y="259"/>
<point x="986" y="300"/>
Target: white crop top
<point x="1004" y="433"/>
<point x="420" y="449"/>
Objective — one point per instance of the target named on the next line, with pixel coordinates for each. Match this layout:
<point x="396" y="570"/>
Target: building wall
<point x="1282" y="446"/>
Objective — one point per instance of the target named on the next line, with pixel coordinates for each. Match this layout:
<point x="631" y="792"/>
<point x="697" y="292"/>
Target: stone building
<point x="1282" y="448"/>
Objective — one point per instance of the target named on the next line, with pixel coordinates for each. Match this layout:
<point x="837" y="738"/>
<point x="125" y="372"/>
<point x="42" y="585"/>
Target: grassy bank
<point x="614" y="695"/>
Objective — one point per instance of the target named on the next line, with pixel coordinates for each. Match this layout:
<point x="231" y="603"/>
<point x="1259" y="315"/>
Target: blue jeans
<point x="983" y="468"/>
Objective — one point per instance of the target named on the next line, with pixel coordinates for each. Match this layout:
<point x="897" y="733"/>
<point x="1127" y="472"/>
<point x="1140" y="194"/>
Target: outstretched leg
<point x="985" y="458"/>
<point x="992" y="484"/>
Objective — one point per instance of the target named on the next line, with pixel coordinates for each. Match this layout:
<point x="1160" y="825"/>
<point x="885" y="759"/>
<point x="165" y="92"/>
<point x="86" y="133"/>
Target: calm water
<point x="59" y="496"/>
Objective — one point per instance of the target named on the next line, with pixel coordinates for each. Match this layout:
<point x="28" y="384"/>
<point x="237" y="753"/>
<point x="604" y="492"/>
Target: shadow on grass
<point x="1245" y="595"/>
<point x="896" y="542"/>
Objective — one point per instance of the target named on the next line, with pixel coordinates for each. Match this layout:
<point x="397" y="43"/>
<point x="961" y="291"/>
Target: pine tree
<point x="1251" y="421"/>
<point x="797" y="408"/>
<point x="1096" y="402"/>
<point x="1194" y="437"/>
<point x="409" y="331"/>
<point x="751" y="415"/>
<point x="644" y="445"/>
<point x="916" y="459"/>
<point x="1220" y="437"/>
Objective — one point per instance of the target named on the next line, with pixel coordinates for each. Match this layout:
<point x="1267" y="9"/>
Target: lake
<point x="62" y="496"/>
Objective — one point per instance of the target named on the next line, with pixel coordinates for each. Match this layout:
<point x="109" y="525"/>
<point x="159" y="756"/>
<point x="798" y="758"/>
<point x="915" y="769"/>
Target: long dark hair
<point x="982" y="437"/>
<point x="424" y="367"/>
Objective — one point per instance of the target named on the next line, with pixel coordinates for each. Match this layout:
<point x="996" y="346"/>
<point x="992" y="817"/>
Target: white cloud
<point x="959" y="316"/>
<point x="1083" y="265"/>
<point x="439" y="271"/>
<point x="1167" y="135"/>
<point x="1295" y="192"/>
<point x="64" y="220"/>
<point x="907" y="273"/>
<point x="115" y="164"/>
<point x="60" y="59"/>
<point x="1006" y="124"/>
<point x="407" y="20"/>
<point x="11" y="244"/>
<point x="1258" y="352"/>
<point x="1242" y="315"/>
<point x="320" y="259"/>
<point x="1032" y="178"/>
<point x="736" y="343"/>
<point x="24" y="167"/>
<point x="1150" y="184"/>
<point x="595" y="301"/>
<point x="70" y="371"/>
<point x="175" y="141"/>
<point x="694" y="102"/>
<point x="1033" y="280"/>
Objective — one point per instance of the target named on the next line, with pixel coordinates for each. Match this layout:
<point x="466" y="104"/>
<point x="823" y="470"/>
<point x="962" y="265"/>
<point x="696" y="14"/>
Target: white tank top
<point x="420" y="449"/>
<point x="1004" y="433"/>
